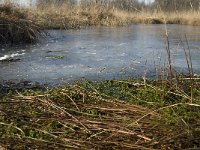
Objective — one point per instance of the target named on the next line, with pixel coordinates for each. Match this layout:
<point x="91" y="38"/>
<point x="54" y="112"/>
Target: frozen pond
<point x="100" y="53"/>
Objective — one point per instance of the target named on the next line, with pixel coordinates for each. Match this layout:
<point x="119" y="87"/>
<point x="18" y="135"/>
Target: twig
<point x="71" y="100"/>
<point x="5" y="124"/>
<point x="154" y="112"/>
<point x="50" y="103"/>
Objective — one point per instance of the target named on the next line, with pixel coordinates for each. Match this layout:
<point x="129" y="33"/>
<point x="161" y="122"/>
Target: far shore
<point x="71" y="17"/>
<point x="28" y="23"/>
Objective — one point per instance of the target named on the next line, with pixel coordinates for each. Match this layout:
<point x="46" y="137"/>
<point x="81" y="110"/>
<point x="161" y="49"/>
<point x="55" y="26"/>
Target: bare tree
<point x="171" y="5"/>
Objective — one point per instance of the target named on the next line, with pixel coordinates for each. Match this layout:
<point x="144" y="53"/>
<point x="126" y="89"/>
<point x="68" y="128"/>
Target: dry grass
<point x="159" y="17"/>
<point x="67" y="16"/>
<point x="15" y="27"/>
<point x="76" y="17"/>
<point x="90" y="116"/>
<point x="188" y="18"/>
<point x="19" y="23"/>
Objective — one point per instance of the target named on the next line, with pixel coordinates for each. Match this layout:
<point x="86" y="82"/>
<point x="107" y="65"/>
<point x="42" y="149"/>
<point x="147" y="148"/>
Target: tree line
<point x="135" y="5"/>
<point x="171" y="5"/>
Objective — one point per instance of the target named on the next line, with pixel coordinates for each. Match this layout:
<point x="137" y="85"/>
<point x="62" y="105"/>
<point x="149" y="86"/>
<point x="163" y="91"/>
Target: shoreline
<point x="75" y="17"/>
<point x="117" y="21"/>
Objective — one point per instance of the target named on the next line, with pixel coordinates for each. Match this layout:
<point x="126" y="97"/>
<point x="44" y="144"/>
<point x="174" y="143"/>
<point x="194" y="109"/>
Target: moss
<point x="55" y="56"/>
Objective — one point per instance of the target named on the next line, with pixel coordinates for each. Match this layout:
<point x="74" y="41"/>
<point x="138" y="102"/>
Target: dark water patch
<point x="17" y="86"/>
<point x="9" y="60"/>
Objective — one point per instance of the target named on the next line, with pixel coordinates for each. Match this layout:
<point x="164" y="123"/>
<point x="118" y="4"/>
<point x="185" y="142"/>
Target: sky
<point x="27" y="2"/>
<point x="146" y="1"/>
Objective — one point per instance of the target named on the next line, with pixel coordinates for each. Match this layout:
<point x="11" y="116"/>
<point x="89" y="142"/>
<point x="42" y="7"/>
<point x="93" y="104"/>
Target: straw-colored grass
<point x="76" y="17"/>
<point x="186" y="18"/>
<point x="24" y="23"/>
<point x="67" y="16"/>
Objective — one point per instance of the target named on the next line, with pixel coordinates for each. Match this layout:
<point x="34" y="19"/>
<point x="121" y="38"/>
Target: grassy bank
<point x="72" y="17"/>
<point x="103" y="115"/>
<point x="19" y="25"/>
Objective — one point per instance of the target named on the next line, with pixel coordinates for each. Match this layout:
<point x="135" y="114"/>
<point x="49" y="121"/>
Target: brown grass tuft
<point x="15" y="27"/>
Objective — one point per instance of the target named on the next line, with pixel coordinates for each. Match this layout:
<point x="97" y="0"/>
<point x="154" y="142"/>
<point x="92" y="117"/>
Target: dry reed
<point x="65" y="16"/>
<point x="71" y="16"/>
<point x="15" y="27"/>
<point x="78" y="117"/>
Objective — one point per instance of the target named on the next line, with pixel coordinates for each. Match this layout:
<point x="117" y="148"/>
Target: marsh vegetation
<point x="114" y="13"/>
<point x="103" y="115"/>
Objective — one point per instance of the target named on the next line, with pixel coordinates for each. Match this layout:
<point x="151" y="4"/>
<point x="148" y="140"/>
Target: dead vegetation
<point x="75" y="17"/>
<point x="67" y="16"/>
<point x="90" y="116"/>
<point x="15" y="27"/>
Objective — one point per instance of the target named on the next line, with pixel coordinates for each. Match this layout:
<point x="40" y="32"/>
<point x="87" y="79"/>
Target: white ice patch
<point x="122" y="44"/>
<point x="90" y="53"/>
<point x="123" y="54"/>
<point x="11" y="56"/>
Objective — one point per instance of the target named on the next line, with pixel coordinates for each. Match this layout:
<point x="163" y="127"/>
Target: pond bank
<point x="103" y="115"/>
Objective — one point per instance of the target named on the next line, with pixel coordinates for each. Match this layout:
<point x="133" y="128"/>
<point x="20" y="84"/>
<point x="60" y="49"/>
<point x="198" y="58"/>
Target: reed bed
<point x="102" y="115"/>
<point x="15" y="26"/>
<point x="67" y="16"/>
<point x="74" y="17"/>
<point x="160" y="17"/>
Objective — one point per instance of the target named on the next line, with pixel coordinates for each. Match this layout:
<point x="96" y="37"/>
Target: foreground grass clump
<point x="15" y="27"/>
<point x="103" y="115"/>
